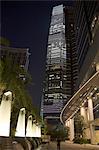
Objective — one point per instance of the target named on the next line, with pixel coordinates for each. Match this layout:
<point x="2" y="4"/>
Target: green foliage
<point x="44" y="127"/>
<point x="10" y="79"/>
<point x="81" y="140"/>
<point x="79" y="125"/>
<point x="59" y="131"/>
<point x="15" y="78"/>
<point x="4" y="41"/>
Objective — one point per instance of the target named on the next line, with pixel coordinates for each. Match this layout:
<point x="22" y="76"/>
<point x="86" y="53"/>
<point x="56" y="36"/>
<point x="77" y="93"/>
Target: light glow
<point x="39" y="131"/>
<point x="5" y="114"/>
<point x="29" y="127"/>
<point x="20" y="129"/>
<point x="34" y="130"/>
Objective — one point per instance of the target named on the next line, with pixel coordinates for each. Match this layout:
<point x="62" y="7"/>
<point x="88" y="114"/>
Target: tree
<point x="15" y="78"/>
<point x="4" y="41"/>
<point x="59" y="132"/>
<point x="79" y="125"/>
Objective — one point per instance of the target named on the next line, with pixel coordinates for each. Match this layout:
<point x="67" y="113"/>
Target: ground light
<point x="5" y="114"/>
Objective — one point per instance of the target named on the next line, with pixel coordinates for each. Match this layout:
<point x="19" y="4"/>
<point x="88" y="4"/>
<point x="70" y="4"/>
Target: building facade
<point x="18" y="55"/>
<point x="71" y="53"/>
<point x="86" y="99"/>
<point x="61" y="63"/>
<point x="86" y="17"/>
<point x="54" y="90"/>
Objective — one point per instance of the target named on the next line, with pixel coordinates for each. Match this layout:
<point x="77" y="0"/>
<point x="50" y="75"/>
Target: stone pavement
<point x="68" y="146"/>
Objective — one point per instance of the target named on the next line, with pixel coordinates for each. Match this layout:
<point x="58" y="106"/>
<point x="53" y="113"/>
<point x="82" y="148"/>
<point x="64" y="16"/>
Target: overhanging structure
<point x="80" y="97"/>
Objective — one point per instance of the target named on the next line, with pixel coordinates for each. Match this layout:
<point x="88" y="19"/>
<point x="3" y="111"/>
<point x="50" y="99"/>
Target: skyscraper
<point x="54" y="90"/>
<point x="86" y="99"/>
<point x="71" y="53"/>
<point x="86" y="17"/>
<point x="60" y="63"/>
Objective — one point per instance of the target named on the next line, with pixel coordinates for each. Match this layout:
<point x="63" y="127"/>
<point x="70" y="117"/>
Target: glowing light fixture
<point x="95" y="88"/>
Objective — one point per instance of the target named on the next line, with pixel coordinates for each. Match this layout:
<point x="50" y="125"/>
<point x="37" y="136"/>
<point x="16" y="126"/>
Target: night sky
<point x="26" y="25"/>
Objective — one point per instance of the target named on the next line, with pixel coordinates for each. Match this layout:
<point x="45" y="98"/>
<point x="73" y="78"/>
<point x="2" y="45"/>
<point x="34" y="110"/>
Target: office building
<point x="61" y="62"/>
<point x="18" y="55"/>
<point x="86" y="99"/>
<point x="71" y="53"/>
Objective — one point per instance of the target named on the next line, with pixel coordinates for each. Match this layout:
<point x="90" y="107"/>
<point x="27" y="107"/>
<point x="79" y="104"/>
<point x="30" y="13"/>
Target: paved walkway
<point x="68" y="146"/>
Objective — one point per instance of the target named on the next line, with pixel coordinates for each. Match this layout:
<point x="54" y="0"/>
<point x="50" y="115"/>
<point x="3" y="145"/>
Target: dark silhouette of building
<point x="85" y="101"/>
<point x="86" y="17"/>
<point x="18" y="55"/>
<point x="71" y="53"/>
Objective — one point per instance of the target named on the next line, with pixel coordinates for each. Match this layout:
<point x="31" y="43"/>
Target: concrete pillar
<point x="97" y="66"/>
<point x="66" y="125"/>
<point x="29" y="127"/>
<point x="71" y="125"/>
<point x="84" y="114"/>
<point x="20" y="129"/>
<point x="90" y="109"/>
<point x="34" y="130"/>
<point x="91" y="118"/>
<point x="5" y="114"/>
<point x="86" y="132"/>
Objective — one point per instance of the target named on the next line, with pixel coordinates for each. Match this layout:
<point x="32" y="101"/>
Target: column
<point x="71" y="129"/>
<point x="5" y="114"/>
<point x="90" y="109"/>
<point x="84" y="114"/>
<point x="29" y="127"/>
<point x="91" y="118"/>
<point x="97" y="66"/>
<point x="86" y="132"/>
<point x="66" y="124"/>
<point x="20" y="129"/>
<point x="34" y="130"/>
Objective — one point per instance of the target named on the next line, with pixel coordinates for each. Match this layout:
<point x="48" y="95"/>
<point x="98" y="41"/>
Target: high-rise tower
<point x="60" y="62"/>
<point x="85" y="101"/>
<point x="54" y="90"/>
<point x="71" y="53"/>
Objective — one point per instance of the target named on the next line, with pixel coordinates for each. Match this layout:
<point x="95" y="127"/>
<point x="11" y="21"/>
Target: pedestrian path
<point x="68" y="146"/>
<point x="39" y="148"/>
<point x="83" y="145"/>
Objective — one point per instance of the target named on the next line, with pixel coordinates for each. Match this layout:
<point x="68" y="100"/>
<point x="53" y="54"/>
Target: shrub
<point x="81" y="140"/>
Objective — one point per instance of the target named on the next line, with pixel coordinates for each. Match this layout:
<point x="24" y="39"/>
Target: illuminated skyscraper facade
<point x="54" y="90"/>
<point x="59" y="57"/>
